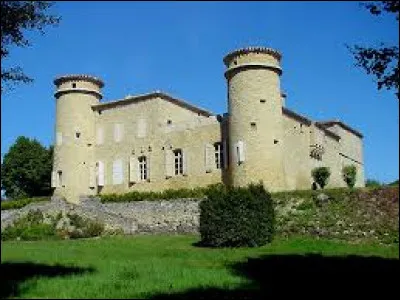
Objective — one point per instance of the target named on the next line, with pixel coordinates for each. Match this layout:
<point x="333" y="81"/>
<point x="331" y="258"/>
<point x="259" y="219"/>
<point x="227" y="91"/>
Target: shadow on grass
<point x="305" y="275"/>
<point x="13" y="274"/>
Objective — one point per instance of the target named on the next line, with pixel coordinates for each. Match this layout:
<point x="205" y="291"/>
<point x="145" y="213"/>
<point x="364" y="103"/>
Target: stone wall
<point x="164" y="216"/>
<point x="346" y="214"/>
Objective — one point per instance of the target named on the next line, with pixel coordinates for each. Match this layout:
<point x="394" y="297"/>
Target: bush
<point x="35" y="226"/>
<point x="321" y="176"/>
<point x="168" y="194"/>
<point x="372" y="183"/>
<point x="18" y="203"/>
<point x="84" y="228"/>
<point x="237" y="217"/>
<point x="29" y="227"/>
<point x="349" y="174"/>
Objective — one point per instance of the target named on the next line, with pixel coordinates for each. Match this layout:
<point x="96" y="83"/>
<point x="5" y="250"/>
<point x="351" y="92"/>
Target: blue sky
<point x="177" y="47"/>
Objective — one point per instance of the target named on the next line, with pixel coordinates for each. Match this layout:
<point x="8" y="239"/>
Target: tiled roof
<point x="152" y="95"/>
<point x="71" y="77"/>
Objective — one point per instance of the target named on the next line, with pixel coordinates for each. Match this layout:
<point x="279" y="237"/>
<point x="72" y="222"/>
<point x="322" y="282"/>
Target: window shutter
<point x="148" y="164"/>
<point x="225" y="153"/>
<point x="100" y="174"/>
<point x="117" y="172"/>
<point x="92" y="175"/>
<point x="118" y="132"/>
<point x="185" y="162"/>
<point x="240" y="152"/>
<point x="209" y="157"/>
<point x="59" y="138"/>
<point x="100" y="136"/>
<point x="133" y="169"/>
<point x="169" y="163"/>
<point x="53" y="179"/>
<point x="141" y="128"/>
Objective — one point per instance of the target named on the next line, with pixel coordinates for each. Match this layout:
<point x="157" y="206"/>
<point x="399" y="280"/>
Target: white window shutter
<point x="225" y="153"/>
<point x="118" y="132"/>
<point x="133" y="169"/>
<point x="169" y="163"/>
<point x="92" y="175"/>
<point x="117" y="172"/>
<point x="240" y="152"/>
<point x="141" y="128"/>
<point x="100" y="174"/>
<point x="53" y="179"/>
<point x="100" y="136"/>
<point x="59" y="138"/>
<point x="209" y="157"/>
<point x="148" y="165"/>
<point x="185" y="162"/>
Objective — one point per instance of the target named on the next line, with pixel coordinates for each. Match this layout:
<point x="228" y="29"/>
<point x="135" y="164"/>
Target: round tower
<point x="75" y="135"/>
<point x="255" y="117"/>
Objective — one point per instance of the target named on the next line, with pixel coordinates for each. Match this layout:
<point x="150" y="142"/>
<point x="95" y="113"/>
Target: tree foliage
<point x="372" y="183"/>
<point x="321" y="176"/>
<point x="26" y="169"/>
<point x="381" y="62"/>
<point x="349" y="174"/>
<point x="18" y="17"/>
<point x="237" y="217"/>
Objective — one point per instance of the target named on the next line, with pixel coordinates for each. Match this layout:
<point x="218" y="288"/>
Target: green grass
<point x="146" y="266"/>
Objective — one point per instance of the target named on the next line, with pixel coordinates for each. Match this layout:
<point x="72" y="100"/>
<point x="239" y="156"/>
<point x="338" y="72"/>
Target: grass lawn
<point x="159" y="267"/>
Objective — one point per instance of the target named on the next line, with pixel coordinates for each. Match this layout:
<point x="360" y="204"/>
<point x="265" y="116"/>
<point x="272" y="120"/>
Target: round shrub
<point x="349" y="174"/>
<point x="321" y="176"/>
<point x="237" y="217"/>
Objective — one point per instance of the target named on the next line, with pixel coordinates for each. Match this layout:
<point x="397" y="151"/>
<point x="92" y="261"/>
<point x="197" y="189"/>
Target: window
<point x="99" y="136"/>
<point x="141" y="128"/>
<point x="263" y="100"/>
<point x="77" y="135"/>
<point x="59" y="178"/>
<point x="178" y="161"/>
<point x="74" y="85"/>
<point x="142" y="168"/>
<point x="218" y="154"/>
<point x="118" y="132"/>
<point x="240" y="157"/>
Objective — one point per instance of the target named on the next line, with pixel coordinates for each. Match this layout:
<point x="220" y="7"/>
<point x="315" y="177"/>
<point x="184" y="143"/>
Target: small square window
<point x="276" y="141"/>
<point x="74" y="85"/>
<point x="169" y="122"/>
<point x="253" y="125"/>
<point x="263" y="100"/>
<point x="77" y="134"/>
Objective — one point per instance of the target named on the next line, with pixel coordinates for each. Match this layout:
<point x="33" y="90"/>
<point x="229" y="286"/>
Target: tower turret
<point x="255" y="117"/>
<point x="75" y="135"/>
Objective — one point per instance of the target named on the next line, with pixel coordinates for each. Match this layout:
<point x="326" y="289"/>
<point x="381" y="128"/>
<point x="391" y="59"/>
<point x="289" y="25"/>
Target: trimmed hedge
<point x="199" y="192"/>
<point x="19" y="203"/>
<point x="237" y="217"/>
<point x="321" y="175"/>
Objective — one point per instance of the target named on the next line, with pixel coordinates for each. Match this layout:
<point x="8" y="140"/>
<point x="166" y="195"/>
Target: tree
<point x="372" y="183"/>
<point x="16" y="18"/>
<point x="349" y="174"/>
<point x="321" y="176"/>
<point x="26" y="169"/>
<point x="383" y="61"/>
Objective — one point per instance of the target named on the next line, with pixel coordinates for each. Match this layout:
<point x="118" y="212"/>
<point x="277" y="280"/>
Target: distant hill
<point x="394" y="183"/>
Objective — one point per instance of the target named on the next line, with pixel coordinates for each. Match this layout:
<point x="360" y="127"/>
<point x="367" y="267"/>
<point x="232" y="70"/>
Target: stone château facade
<point x="155" y="141"/>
